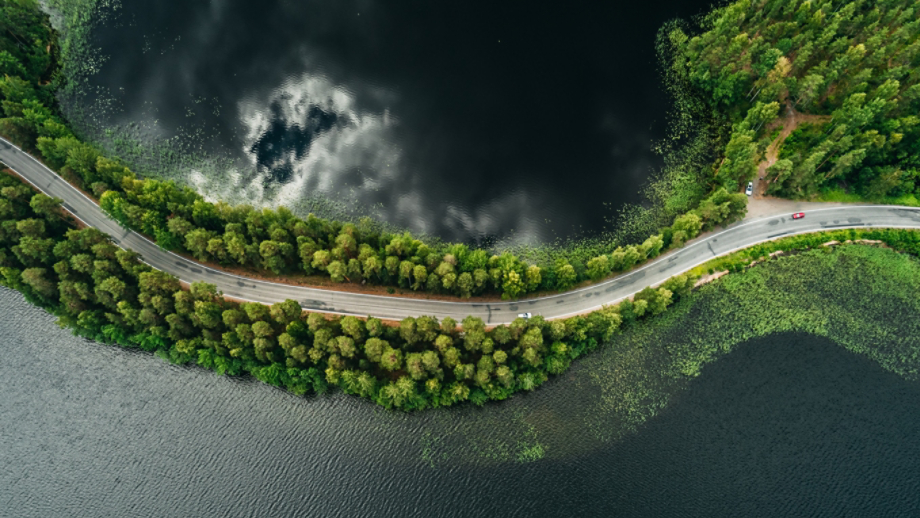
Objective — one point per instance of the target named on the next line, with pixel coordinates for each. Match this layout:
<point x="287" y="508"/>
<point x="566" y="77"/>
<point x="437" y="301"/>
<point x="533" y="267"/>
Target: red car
<point x="798" y="215"/>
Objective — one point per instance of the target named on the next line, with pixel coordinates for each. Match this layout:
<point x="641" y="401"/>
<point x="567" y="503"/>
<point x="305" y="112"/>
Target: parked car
<point x="525" y="315"/>
<point x="750" y="189"/>
<point x="798" y="215"/>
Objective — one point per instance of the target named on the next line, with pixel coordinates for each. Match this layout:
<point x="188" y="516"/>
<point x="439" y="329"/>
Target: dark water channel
<point x="789" y="425"/>
<point x="521" y="120"/>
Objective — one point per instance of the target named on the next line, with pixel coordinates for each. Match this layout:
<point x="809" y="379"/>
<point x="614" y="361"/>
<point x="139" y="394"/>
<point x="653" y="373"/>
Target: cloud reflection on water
<point x="314" y="131"/>
<point x="521" y="124"/>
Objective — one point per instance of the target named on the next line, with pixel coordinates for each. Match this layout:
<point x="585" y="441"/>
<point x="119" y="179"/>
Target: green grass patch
<point x="842" y="196"/>
<point x="902" y="240"/>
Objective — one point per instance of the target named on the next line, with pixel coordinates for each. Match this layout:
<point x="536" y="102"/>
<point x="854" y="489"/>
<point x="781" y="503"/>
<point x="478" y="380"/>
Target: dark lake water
<point x="520" y="120"/>
<point x="788" y="425"/>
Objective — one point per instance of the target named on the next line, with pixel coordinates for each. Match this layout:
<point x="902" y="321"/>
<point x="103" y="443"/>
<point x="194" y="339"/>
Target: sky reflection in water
<point x="466" y="120"/>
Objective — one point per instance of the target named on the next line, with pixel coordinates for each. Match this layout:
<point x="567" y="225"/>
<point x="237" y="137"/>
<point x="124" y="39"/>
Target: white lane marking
<point x="730" y="252"/>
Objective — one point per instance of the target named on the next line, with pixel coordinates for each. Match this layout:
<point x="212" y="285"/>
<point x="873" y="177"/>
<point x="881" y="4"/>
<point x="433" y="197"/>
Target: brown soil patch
<point x="789" y="122"/>
<point x="706" y="279"/>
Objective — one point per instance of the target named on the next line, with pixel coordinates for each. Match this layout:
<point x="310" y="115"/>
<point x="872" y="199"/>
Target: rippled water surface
<point x="513" y="119"/>
<point x="788" y="425"/>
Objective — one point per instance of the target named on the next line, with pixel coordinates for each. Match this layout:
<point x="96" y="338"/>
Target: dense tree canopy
<point x="855" y="62"/>
<point x="107" y="294"/>
<point x="276" y="241"/>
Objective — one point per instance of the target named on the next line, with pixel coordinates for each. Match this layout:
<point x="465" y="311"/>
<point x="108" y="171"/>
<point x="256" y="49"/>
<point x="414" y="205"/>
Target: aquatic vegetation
<point x="715" y="140"/>
<point x="171" y="160"/>
<point x="107" y="294"/>
<point x="860" y="296"/>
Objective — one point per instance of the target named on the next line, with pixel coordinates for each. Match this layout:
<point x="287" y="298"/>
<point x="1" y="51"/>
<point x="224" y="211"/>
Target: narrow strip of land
<point x="583" y="300"/>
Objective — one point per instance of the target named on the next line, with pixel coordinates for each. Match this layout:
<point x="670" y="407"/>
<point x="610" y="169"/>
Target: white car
<point x="524" y="315"/>
<point x="750" y="189"/>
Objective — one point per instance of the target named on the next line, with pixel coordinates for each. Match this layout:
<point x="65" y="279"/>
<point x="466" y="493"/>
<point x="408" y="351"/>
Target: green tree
<point x="420" y="276"/>
<point x="690" y="224"/>
<point x="391" y="359"/>
<point x="196" y="242"/>
<point x="354" y="327"/>
<point x="652" y="246"/>
<point x="374" y="349"/>
<point x="285" y="313"/>
<point x="37" y="279"/>
<point x="408" y="330"/>
<point x="599" y="267"/>
<point x="465" y="285"/>
<point x="46" y="207"/>
<point x="565" y="275"/>
<point x="513" y="285"/>
<point x="336" y="271"/>
<point x="233" y="318"/>
<point x="740" y="162"/>
<point x="274" y="255"/>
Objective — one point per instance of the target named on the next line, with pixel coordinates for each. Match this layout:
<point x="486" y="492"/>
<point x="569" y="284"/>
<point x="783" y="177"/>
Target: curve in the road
<point x="736" y="237"/>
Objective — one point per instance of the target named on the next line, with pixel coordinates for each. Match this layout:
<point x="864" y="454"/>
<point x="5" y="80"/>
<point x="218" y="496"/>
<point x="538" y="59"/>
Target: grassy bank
<point x="840" y="195"/>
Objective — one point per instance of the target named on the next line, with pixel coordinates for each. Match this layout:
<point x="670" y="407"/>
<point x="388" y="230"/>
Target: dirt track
<point x="789" y="122"/>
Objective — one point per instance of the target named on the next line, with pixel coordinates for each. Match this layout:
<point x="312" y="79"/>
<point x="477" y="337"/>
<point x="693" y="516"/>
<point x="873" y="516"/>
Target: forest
<point x="106" y="293"/>
<point x="277" y="242"/>
<point x="855" y="64"/>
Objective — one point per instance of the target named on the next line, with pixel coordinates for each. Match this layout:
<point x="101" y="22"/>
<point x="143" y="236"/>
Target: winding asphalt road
<point x="583" y="300"/>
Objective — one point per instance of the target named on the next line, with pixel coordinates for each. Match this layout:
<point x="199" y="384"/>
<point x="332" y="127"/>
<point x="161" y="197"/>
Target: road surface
<point x="740" y="235"/>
